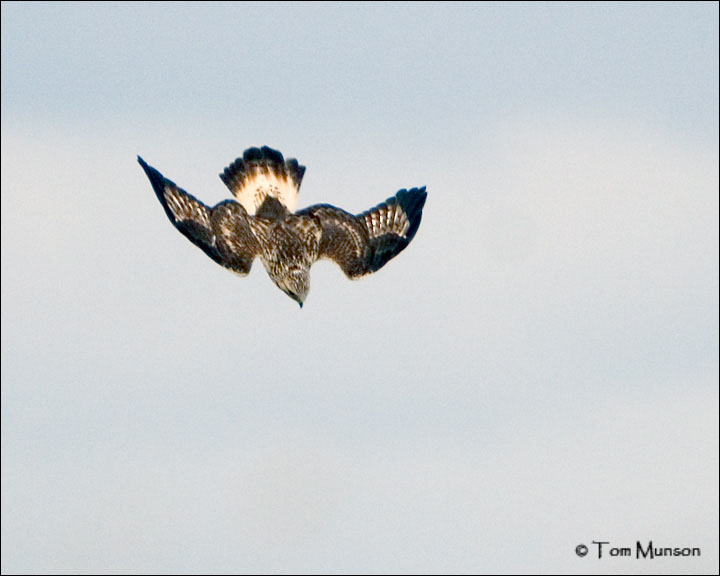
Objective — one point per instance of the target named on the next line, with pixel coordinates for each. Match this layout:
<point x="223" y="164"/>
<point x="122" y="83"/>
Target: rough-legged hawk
<point x="263" y="223"/>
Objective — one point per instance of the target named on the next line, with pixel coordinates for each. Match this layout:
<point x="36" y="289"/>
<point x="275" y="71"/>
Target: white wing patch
<point x="184" y="207"/>
<point x="387" y="218"/>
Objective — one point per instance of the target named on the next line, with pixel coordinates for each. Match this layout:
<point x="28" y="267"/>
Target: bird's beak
<point x="300" y="305"/>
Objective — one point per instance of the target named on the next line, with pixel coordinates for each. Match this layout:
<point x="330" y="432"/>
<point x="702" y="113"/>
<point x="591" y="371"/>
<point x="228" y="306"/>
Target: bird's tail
<point x="262" y="172"/>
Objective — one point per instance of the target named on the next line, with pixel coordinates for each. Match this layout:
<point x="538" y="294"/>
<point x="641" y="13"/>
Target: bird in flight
<point x="262" y="222"/>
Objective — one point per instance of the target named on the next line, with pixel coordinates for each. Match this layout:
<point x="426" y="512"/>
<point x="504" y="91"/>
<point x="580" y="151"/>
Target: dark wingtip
<point x="149" y="170"/>
<point x="412" y="202"/>
<point x="152" y="174"/>
<point x="157" y="180"/>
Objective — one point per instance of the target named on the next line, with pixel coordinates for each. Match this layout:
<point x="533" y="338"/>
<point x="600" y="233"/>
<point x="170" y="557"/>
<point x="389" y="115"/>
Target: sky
<point x="537" y="371"/>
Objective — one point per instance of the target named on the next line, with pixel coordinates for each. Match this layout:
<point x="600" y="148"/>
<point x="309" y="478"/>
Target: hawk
<point x="262" y="222"/>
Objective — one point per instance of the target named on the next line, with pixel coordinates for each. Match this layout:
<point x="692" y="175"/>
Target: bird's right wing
<point x="222" y="232"/>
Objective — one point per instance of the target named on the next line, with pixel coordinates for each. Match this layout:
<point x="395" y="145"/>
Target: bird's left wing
<point x="222" y="232"/>
<point x="364" y="243"/>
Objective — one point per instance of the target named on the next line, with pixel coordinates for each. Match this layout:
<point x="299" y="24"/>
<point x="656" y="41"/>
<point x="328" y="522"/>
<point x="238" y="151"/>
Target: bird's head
<point x="296" y="284"/>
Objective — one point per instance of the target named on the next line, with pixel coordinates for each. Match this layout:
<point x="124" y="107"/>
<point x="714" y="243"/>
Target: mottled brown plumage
<point x="263" y="223"/>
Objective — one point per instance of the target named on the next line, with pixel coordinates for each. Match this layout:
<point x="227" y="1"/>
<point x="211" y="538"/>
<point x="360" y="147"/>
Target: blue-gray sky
<point x="539" y="369"/>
